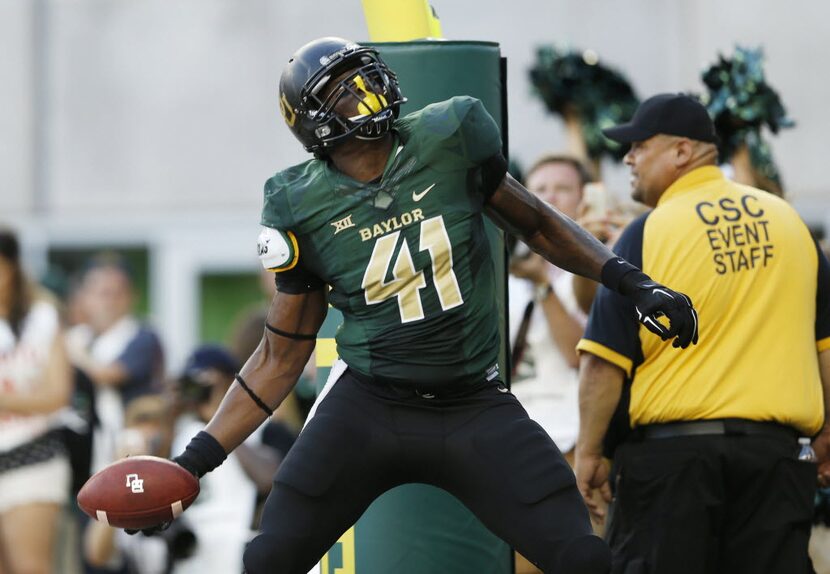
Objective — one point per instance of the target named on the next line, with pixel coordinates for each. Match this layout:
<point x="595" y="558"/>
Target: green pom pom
<point x="570" y="81"/>
<point x="741" y="103"/>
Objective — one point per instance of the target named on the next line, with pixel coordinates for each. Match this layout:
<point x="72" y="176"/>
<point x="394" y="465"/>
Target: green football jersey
<point x="406" y="257"/>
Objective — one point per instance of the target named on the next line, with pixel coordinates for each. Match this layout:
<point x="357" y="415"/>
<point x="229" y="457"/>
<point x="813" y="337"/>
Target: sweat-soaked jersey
<point x="406" y="257"/>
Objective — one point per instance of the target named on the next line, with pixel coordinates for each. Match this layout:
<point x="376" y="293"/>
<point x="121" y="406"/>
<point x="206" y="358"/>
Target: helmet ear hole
<point x="307" y="78"/>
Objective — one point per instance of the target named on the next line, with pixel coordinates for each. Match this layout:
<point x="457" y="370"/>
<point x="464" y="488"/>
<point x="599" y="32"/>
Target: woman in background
<point x="35" y="382"/>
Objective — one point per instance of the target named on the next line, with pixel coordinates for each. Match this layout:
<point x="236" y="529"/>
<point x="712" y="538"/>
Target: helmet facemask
<point x="372" y="85"/>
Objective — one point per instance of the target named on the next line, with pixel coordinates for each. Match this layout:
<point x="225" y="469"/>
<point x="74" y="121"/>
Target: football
<point x="138" y="492"/>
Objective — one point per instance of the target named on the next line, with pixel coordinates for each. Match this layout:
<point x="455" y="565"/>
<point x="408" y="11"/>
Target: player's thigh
<point x="339" y="464"/>
<point x="28" y="533"/>
<point x="508" y="471"/>
<point x="297" y="529"/>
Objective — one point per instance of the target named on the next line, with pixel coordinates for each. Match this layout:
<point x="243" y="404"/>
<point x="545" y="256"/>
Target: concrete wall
<point x="155" y="122"/>
<point x="156" y="105"/>
<point x="16" y="108"/>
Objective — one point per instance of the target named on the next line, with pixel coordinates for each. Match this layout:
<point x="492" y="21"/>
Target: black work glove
<point x="182" y="462"/>
<point x="652" y="301"/>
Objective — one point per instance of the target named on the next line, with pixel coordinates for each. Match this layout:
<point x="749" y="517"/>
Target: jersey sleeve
<point x="478" y="141"/>
<point x="478" y="134"/>
<point x="613" y="332"/>
<point x="279" y="253"/>
<point x="277" y="244"/>
<point x="823" y="302"/>
<point x="276" y="208"/>
<point x="278" y="250"/>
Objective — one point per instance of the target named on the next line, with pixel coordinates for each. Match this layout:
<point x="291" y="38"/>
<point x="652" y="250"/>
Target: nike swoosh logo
<point x="420" y="196"/>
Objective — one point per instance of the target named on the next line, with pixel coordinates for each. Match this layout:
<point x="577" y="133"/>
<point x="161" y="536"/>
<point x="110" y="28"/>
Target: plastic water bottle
<point x="806" y="452"/>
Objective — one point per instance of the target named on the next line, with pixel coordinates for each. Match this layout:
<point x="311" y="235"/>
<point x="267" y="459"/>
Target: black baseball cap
<point x="669" y="114"/>
<point x="209" y="357"/>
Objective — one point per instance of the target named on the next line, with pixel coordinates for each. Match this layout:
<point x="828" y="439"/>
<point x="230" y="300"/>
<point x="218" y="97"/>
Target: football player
<point x="386" y="223"/>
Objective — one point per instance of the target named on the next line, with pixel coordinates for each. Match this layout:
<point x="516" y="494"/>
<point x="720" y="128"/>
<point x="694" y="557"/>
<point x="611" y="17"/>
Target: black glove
<point x="652" y="301"/>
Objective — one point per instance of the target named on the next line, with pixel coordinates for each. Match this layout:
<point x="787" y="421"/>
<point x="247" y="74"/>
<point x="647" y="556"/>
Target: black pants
<point x="711" y="505"/>
<point x="478" y="444"/>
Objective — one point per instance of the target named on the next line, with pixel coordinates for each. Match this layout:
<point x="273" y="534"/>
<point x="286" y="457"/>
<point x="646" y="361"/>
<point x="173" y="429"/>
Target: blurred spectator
<point x="606" y="223"/>
<point x="147" y="431"/>
<point x="122" y="357"/>
<point x="35" y="382"/>
<point x="546" y="322"/>
<point x="221" y="517"/>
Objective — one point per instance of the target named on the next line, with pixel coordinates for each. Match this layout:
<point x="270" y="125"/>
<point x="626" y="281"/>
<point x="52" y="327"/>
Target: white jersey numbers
<point x="406" y="282"/>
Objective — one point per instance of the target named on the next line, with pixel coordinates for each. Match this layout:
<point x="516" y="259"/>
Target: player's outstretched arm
<point x="564" y="243"/>
<point x="267" y="377"/>
<point x="553" y="235"/>
<point x="273" y="369"/>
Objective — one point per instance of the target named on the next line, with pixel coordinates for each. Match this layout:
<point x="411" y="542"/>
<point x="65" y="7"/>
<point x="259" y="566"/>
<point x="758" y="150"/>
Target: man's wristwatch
<point x="542" y="291"/>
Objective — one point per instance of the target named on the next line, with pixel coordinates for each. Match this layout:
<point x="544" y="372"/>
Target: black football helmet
<point x="308" y="97"/>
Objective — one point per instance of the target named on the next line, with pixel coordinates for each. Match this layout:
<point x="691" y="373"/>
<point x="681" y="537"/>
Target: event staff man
<point x="709" y="480"/>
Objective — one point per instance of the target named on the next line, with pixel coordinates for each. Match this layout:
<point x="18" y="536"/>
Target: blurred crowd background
<point x="135" y="138"/>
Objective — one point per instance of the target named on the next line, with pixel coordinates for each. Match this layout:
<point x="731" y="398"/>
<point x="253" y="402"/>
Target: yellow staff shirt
<point x="761" y="287"/>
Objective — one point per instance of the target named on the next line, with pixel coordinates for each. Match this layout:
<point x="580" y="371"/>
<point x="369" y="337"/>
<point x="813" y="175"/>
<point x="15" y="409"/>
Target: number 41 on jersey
<point x="406" y="282"/>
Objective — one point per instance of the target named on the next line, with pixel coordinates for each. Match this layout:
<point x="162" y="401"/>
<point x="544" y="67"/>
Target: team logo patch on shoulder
<point x="342" y="224"/>
<point x="278" y="250"/>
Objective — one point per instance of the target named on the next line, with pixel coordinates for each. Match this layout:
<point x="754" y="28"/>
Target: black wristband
<point x="202" y="455"/>
<point x="621" y="276"/>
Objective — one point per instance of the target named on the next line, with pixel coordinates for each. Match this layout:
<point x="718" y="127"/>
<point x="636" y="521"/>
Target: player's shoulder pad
<point x="443" y="119"/>
<point x="278" y="250"/>
<point x="283" y="194"/>
<point x="456" y="130"/>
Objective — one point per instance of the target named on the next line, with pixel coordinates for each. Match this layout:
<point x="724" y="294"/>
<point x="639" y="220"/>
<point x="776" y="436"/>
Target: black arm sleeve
<point x="492" y="172"/>
<point x="298" y="280"/>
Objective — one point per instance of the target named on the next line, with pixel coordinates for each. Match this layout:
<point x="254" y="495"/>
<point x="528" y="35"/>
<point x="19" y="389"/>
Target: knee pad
<point x="584" y="555"/>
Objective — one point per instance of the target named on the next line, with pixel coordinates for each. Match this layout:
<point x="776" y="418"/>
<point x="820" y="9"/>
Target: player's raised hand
<point x="653" y="300"/>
